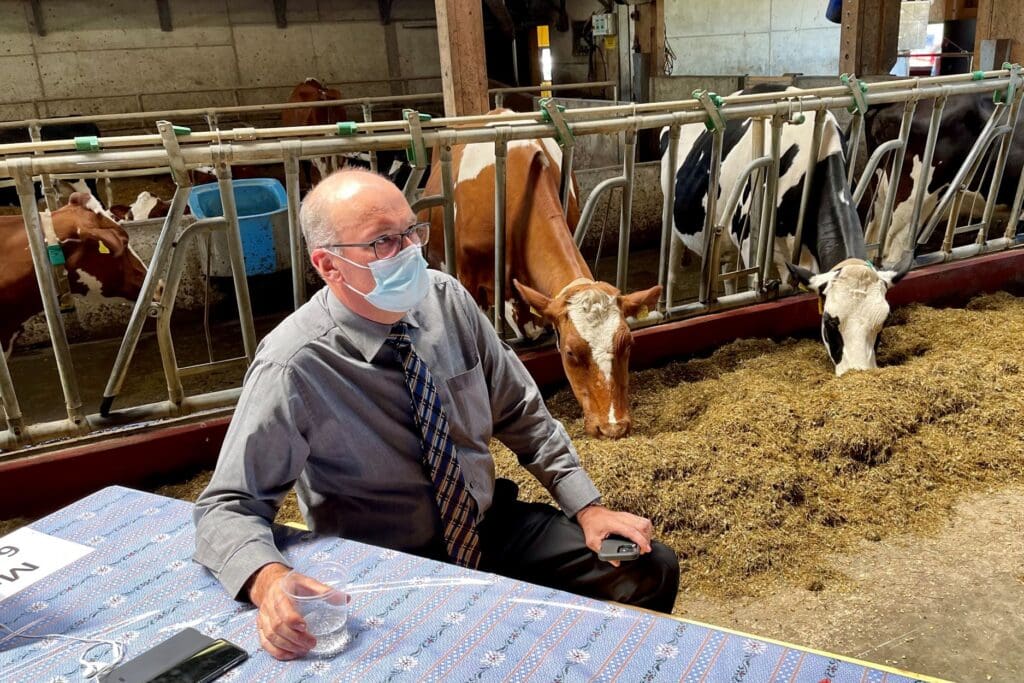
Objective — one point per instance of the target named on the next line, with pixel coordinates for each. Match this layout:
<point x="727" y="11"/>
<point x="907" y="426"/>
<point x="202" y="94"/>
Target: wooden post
<point x="460" y="38"/>
<point x="658" y="48"/>
<point x="869" y="37"/>
<point x="999" y="19"/>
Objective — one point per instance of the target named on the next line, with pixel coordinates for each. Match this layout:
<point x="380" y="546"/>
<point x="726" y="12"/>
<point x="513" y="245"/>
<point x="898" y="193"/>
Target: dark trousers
<point x="537" y="543"/>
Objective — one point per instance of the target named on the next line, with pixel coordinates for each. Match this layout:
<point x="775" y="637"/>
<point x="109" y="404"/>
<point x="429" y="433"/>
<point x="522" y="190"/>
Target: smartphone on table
<point x="185" y="657"/>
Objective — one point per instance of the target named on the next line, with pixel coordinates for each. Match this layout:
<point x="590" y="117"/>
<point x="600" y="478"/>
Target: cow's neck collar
<point x="575" y="283"/>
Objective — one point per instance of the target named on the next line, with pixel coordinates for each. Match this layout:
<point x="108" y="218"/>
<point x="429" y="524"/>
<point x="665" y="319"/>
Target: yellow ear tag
<point x="821" y="306"/>
<point x="643" y="313"/>
<point x="535" y="313"/>
<point x="104" y="249"/>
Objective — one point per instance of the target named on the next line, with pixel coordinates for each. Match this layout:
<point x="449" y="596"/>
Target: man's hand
<point x="281" y="628"/>
<point x="599" y="523"/>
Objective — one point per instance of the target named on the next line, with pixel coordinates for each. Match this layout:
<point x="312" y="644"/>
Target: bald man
<point x="377" y="400"/>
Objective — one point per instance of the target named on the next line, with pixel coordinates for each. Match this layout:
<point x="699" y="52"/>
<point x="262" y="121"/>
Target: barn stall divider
<point x="180" y="149"/>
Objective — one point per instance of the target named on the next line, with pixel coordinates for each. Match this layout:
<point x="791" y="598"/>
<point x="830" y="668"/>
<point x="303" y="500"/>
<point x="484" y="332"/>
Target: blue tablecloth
<point x="419" y="620"/>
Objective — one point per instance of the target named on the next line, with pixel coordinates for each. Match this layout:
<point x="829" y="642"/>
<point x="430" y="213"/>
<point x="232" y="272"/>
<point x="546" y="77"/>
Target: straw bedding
<point x="757" y="464"/>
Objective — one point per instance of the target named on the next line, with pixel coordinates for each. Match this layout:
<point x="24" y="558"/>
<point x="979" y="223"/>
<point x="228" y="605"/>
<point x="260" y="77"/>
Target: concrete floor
<point x="949" y="605"/>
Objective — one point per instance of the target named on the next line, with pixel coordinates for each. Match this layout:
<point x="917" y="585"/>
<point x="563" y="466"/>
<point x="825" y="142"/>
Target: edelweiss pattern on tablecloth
<point x="411" y="619"/>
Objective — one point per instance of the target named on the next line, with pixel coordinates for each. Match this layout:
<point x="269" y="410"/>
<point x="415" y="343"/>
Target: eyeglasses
<point x="388" y="246"/>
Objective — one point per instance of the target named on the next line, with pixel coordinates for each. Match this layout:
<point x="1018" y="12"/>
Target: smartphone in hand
<point x="618" y="548"/>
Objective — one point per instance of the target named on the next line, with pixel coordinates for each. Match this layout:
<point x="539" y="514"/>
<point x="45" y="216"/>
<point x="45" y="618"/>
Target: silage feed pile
<point x="756" y="464"/>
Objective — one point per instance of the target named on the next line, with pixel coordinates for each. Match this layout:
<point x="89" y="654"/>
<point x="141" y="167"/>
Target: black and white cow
<point x="833" y="253"/>
<point x="963" y="118"/>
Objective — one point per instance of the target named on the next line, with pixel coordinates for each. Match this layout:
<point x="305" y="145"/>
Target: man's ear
<point x="326" y="266"/>
<point x="539" y="303"/>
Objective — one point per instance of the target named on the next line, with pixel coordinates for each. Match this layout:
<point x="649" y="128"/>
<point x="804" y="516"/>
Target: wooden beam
<point x="163" y="9"/>
<point x="460" y="39"/>
<point x="281" y="13"/>
<point x="37" y="17"/>
<point x="869" y="36"/>
<point x="1000" y="20"/>
<point x="658" y="49"/>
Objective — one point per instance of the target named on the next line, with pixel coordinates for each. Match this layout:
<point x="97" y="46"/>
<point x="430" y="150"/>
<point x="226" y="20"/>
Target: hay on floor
<point x="757" y="463"/>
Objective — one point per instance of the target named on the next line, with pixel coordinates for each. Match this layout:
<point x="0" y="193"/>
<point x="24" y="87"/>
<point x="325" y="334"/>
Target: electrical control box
<point x="604" y="24"/>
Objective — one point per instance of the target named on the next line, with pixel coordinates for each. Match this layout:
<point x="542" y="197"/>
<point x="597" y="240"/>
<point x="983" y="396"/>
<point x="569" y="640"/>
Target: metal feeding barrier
<point x="180" y="149"/>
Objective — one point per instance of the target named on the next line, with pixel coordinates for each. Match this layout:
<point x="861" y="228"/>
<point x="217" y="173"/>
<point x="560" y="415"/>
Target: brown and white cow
<point x="313" y="90"/>
<point x="97" y="256"/>
<point x="147" y="205"/>
<point x="546" y="269"/>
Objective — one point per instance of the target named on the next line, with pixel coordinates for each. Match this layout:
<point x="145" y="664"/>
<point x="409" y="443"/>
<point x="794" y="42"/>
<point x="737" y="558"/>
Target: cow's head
<point x="854" y="309"/>
<point x="96" y="250"/>
<point x="594" y="340"/>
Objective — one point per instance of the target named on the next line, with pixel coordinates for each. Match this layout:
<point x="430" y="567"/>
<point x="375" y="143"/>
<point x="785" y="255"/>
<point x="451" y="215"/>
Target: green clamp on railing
<point x="422" y="116"/>
<point x="181" y="130"/>
<point x="552" y="113"/>
<point x="56" y="254"/>
<point x="712" y="103"/>
<point x="977" y="75"/>
<point x="1006" y="97"/>
<point x="347" y="128"/>
<point x="87" y="143"/>
<point x="857" y="89"/>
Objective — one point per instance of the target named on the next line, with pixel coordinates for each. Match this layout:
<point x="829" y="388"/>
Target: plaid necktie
<point x="458" y="509"/>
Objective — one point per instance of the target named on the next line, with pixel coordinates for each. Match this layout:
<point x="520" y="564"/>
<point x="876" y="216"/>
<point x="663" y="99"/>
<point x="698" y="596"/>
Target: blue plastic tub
<point x="262" y="203"/>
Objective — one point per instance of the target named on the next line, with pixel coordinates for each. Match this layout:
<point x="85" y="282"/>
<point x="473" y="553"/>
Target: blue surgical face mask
<point x="402" y="280"/>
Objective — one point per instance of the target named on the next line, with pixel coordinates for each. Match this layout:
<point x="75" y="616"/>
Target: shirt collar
<point x="367" y="335"/>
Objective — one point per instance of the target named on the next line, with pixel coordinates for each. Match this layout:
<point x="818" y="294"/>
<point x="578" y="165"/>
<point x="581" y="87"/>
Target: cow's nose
<point x="615" y="430"/>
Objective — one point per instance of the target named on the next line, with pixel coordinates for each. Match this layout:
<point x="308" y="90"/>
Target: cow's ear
<point x="106" y="241"/>
<point x="891" y="277"/>
<point x="801" y="276"/>
<point x="639" y="304"/>
<point x="538" y="302"/>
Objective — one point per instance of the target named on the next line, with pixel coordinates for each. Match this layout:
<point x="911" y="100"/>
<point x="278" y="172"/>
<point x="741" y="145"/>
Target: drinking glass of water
<point x="324" y="607"/>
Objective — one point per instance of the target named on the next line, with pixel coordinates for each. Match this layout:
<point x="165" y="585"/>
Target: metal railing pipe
<point x="626" y="210"/>
<point x="871" y="166"/>
<point x="970" y="162"/>
<point x="894" y="177"/>
<point x="290" y="150"/>
<point x="587" y="214"/>
<point x="448" y="212"/>
<point x="157" y="265"/>
<point x="934" y="124"/>
<point x="997" y="173"/>
<point x="11" y="410"/>
<point x="500" y="177"/>
<point x="710" y="217"/>
<point x="235" y="250"/>
<point x="671" y="161"/>
<point x="805" y="195"/>
<point x="48" y="294"/>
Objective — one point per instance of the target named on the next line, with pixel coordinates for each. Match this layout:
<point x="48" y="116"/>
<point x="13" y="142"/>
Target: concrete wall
<point x="760" y="37"/>
<point x="567" y="67"/>
<point x="113" y="57"/>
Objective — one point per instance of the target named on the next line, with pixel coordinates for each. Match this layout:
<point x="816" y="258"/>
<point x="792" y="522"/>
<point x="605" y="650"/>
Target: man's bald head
<point x="344" y="201"/>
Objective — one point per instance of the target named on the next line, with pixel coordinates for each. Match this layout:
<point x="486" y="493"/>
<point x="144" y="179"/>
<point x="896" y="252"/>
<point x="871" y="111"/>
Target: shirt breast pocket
<point x="469" y="407"/>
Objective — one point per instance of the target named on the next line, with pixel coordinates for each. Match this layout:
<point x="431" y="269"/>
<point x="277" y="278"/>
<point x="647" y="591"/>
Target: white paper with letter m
<point x="26" y="556"/>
